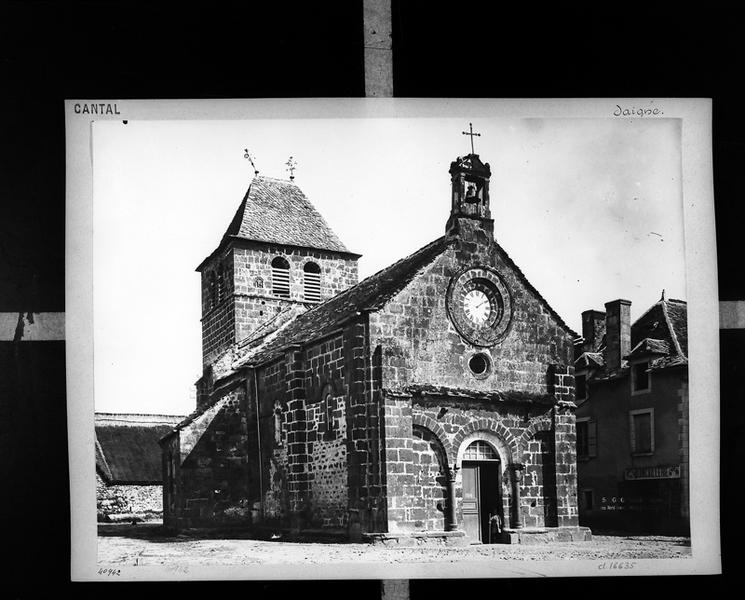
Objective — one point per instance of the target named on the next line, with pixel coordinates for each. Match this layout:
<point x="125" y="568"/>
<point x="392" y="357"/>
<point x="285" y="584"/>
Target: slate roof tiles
<point x="276" y="211"/>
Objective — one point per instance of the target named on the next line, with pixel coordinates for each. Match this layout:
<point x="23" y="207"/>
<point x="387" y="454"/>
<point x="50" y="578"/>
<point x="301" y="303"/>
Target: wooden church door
<point x="471" y="508"/>
<point x="482" y="500"/>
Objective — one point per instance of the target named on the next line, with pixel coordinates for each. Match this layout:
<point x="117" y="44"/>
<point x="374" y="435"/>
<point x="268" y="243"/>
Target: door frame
<point x="481" y="466"/>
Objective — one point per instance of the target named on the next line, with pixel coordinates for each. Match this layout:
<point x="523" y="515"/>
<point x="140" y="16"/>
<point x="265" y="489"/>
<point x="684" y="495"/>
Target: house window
<point x="642" y="431"/>
<point x="312" y="282"/>
<point x="281" y="277"/>
<point x="581" y="384"/>
<point x="587" y="499"/>
<point x="640" y="377"/>
<point x="587" y="443"/>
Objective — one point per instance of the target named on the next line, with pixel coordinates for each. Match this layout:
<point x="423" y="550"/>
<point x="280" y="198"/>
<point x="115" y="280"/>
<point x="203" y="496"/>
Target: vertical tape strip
<point x="378" y="48"/>
<point x="32" y="327"/>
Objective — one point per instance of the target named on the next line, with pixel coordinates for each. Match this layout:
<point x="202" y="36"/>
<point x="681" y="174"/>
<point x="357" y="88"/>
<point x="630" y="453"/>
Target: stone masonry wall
<point x="247" y="300"/>
<point x="538" y="489"/>
<point x="510" y="430"/>
<point x="254" y="300"/>
<point x="144" y="501"/>
<point x="453" y="425"/>
<point x="431" y="476"/>
<point x="565" y="445"/>
<point x="327" y="464"/>
<point x="218" y="312"/>
<point x="420" y="344"/>
<point x="315" y="475"/>
<point x="214" y="476"/>
<point x="399" y="466"/>
<point x="308" y="477"/>
<point x="326" y="432"/>
<point x="365" y="455"/>
<point x="274" y="429"/>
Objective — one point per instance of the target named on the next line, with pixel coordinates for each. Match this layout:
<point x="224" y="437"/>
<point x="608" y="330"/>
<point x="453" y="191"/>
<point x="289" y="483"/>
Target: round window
<point x="479" y="365"/>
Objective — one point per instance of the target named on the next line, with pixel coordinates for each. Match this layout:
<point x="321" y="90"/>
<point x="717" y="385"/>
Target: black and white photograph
<point x="391" y="339"/>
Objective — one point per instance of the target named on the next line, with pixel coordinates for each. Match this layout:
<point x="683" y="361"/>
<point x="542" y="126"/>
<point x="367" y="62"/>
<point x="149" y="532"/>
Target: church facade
<point x="434" y="399"/>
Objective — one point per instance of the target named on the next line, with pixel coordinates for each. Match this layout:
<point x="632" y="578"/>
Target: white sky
<point x="589" y="209"/>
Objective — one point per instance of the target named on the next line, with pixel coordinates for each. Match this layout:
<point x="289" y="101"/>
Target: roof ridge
<point x="290" y="181"/>
<point x="245" y="359"/>
<point x="533" y="290"/>
<point x="673" y="333"/>
<point x="353" y="288"/>
<point x="338" y="308"/>
<point x="259" y="332"/>
<point x="389" y="267"/>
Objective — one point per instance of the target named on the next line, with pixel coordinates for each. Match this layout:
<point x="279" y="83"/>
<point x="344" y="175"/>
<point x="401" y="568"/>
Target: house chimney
<point x="593" y="329"/>
<point x="617" y="333"/>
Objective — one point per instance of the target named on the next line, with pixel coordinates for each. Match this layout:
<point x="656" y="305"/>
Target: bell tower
<point x="469" y="180"/>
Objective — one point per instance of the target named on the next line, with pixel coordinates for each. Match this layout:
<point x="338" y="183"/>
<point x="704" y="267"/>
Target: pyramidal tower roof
<point x="276" y="211"/>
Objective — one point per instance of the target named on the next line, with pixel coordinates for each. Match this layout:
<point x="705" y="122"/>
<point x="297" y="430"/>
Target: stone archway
<point x="432" y="479"/>
<point x="489" y="430"/>
<point x="482" y="466"/>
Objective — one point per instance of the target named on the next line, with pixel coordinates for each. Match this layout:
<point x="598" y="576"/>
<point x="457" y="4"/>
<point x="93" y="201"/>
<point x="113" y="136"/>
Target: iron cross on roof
<point x="291" y="166"/>
<point x="472" y="134"/>
<point x="251" y="160"/>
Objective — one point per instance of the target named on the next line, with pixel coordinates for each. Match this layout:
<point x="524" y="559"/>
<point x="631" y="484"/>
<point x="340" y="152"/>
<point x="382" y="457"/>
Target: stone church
<point x="433" y="400"/>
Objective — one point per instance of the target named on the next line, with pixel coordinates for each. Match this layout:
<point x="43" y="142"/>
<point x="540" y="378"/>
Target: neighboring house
<point x="632" y="418"/>
<point x="432" y="400"/>
<point x="129" y="471"/>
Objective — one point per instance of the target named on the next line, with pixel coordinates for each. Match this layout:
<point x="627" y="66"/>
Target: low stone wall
<point x="144" y="501"/>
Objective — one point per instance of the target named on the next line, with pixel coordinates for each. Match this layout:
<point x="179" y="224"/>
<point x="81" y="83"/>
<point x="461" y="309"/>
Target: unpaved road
<point x="146" y="545"/>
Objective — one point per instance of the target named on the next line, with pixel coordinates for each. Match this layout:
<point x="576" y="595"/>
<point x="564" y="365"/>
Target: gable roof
<point x="277" y="211"/>
<point x="293" y="329"/>
<point x="127" y="449"/>
<point x="369" y="295"/>
<point x="661" y="333"/>
<point x="666" y="321"/>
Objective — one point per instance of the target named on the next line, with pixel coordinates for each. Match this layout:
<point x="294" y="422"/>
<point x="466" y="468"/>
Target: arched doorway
<point x="481" y="471"/>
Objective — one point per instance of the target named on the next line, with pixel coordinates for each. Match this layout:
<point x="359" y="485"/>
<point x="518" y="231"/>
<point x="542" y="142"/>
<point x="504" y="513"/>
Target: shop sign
<point x="660" y="472"/>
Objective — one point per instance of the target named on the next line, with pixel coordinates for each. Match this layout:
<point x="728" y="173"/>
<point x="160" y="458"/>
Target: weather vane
<point x="472" y="134"/>
<point x="291" y="166"/>
<point x="251" y="160"/>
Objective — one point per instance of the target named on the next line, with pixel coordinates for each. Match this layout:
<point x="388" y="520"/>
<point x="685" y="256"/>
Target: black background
<point x="119" y="50"/>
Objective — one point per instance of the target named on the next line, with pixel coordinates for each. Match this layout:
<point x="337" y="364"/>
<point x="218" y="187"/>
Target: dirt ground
<point x="146" y="544"/>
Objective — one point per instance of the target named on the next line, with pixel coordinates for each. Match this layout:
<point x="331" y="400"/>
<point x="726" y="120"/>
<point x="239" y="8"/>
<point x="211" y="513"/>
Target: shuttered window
<point x="312" y="282"/>
<point x="211" y="290"/>
<point x="281" y="277"/>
